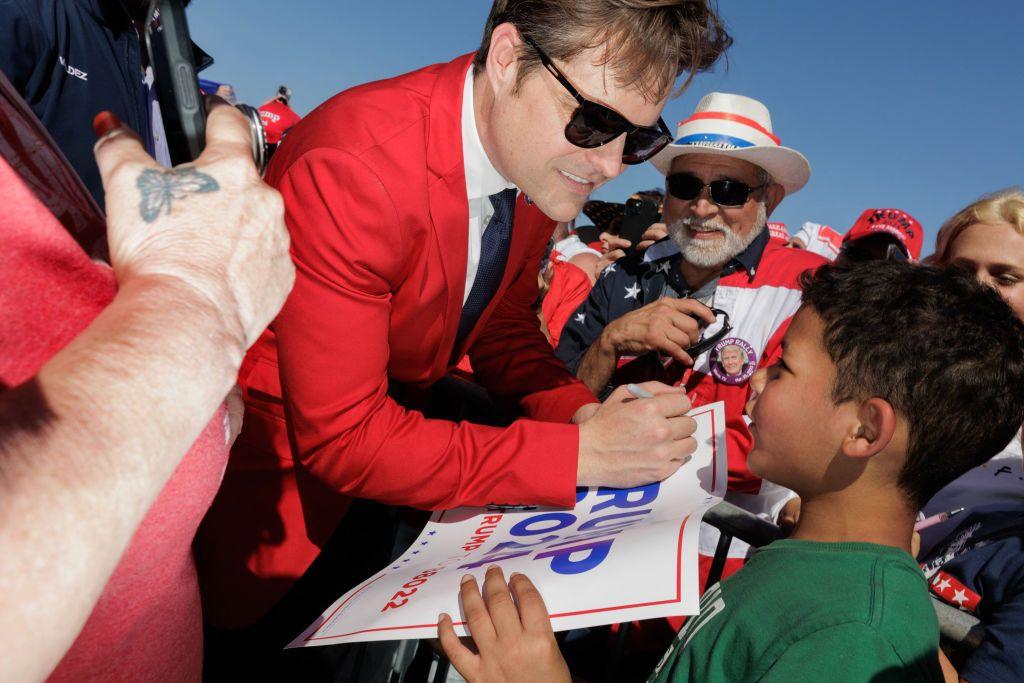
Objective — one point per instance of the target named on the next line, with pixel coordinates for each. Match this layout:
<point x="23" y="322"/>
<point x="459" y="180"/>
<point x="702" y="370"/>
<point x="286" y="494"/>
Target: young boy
<point x="894" y="380"/>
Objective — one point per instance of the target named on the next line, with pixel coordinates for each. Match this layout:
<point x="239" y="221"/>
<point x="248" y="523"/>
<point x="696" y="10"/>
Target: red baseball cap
<point x="903" y="227"/>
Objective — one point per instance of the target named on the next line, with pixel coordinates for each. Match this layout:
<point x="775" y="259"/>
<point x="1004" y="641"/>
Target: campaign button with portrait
<point x="733" y="361"/>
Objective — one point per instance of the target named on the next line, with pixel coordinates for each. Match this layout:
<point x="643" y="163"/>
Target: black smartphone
<point x="177" y="88"/>
<point x="639" y="215"/>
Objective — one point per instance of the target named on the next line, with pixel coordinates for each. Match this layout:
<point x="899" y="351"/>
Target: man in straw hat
<point x="717" y="277"/>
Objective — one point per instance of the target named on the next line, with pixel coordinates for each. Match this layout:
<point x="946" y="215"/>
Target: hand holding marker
<point x="640" y="392"/>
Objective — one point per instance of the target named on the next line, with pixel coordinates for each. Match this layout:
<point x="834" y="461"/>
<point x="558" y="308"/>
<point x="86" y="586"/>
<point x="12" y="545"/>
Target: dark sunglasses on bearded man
<point x="593" y="125"/>
<point x="725" y="192"/>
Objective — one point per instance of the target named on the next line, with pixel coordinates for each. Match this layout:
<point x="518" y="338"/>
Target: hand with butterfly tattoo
<point x="212" y="228"/>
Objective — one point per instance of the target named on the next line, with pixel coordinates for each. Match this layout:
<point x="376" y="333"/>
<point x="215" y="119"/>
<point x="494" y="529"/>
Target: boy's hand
<point x="514" y="639"/>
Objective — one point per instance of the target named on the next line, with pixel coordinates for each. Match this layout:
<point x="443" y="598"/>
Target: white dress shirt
<point x="482" y="180"/>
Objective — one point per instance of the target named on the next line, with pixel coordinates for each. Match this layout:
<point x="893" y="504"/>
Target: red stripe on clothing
<point x="722" y="116"/>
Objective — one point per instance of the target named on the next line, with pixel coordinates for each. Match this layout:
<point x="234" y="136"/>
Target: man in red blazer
<point x="412" y="249"/>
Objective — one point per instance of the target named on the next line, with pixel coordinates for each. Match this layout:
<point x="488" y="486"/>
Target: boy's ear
<point x="875" y="427"/>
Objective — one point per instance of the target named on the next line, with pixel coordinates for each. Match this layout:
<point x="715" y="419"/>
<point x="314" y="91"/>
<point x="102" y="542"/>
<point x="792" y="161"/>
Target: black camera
<point x="182" y="108"/>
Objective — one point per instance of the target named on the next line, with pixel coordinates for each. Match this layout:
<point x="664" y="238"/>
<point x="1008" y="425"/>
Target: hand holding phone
<point x="182" y="105"/>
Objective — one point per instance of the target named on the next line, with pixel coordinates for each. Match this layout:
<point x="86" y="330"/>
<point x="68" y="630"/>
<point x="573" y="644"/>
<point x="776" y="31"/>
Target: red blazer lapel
<point x="449" y="208"/>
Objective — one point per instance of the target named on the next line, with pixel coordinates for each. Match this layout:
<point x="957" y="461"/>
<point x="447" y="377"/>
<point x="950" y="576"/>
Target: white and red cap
<point x="736" y="126"/>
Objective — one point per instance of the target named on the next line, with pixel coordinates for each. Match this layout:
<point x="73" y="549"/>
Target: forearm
<point x="949" y="672"/>
<point x="597" y="366"/>
<point x="113" y="412"/>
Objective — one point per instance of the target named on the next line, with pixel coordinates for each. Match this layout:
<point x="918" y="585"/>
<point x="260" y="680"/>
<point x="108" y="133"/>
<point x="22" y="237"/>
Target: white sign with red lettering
<point x="618" y="555"/>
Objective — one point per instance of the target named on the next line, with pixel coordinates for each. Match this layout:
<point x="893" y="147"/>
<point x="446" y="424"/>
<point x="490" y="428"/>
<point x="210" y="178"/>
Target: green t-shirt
<point x="808" y="611"/>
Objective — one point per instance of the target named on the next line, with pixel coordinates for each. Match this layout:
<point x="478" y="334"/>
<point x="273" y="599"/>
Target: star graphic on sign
<point x="960" y="597"/>
<point x="609" y="269"/>
<point x="664" y="267"/>
<point x="580" y="317"/>
<point x="942" y="585"/>
<point x="631" y="292"/>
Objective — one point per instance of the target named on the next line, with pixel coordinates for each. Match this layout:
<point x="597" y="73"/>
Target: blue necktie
<point x="493" y="257"/>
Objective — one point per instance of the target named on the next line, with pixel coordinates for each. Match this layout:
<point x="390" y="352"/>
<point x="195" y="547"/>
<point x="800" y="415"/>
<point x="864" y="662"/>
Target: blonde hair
<point x="1004" y="206"/>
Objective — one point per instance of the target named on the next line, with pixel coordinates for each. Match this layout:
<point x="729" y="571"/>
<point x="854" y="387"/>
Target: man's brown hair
<point x="648" y="43"/>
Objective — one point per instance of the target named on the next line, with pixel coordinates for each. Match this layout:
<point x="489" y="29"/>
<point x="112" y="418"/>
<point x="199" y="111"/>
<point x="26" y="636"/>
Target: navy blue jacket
<point x="70" y="60"/>
<point x="986" y="554"/>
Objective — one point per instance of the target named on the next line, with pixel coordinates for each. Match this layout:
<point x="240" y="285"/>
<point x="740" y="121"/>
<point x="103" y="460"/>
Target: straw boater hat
<point x="736" y="126"/>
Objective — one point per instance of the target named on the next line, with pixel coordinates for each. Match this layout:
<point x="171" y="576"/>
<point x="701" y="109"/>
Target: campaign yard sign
<point x="618" y="555"/>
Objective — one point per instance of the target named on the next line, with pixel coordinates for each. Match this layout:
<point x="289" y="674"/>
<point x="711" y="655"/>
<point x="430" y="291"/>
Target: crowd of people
<point x="224" y="395"/>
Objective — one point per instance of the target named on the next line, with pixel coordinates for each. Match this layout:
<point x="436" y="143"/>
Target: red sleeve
<point x="514" y="361"/>
<point x="332" y="339"/>
<point x="570" y="287"/>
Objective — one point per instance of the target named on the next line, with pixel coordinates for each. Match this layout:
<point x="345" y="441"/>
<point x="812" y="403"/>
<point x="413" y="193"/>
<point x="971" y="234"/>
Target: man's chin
<point x="703" y="259"/>
<point x="757" y="459"/>
<point x="561" y="209"/>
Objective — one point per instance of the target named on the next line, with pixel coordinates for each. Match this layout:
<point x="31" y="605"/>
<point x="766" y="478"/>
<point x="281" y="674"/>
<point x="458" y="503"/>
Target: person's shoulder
<point x="866" y="600"/>
<point x="848" y="651"/>
<point x="853" y="578"/>
<point x="383" y="126"/>
<point x="371" y="114"/>
<point x="41" y="17"/>
<point x="782" y="266"/>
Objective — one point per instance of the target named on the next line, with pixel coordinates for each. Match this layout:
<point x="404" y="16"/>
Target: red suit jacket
<point x="375" y="197"/>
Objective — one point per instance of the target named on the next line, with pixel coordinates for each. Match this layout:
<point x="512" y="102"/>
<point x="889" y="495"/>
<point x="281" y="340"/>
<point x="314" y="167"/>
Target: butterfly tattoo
<point x="160" y="188"/>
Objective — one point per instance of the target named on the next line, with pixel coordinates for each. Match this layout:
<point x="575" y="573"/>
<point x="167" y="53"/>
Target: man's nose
<point x="986" y="278"/>
<point x="702" y="206"/>
<point x="607" y="159"/>
<point x="757" y="383"/>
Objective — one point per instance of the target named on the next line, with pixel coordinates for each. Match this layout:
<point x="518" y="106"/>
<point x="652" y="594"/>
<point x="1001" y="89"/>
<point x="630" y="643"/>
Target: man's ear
<point x="773" y="195"/>
<point x="873" y="431"/>
<point x="502" y="58"/>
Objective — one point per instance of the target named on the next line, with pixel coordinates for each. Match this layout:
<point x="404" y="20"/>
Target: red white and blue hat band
<point x="725" y="131"/>
<point x="740" y="127"/>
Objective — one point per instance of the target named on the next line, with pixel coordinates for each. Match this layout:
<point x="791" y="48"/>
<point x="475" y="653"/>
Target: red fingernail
<point x="105" y="122"/>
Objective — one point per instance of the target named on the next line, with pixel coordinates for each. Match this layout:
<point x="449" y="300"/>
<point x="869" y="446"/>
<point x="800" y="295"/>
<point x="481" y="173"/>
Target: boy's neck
<point x="846" y="516"/>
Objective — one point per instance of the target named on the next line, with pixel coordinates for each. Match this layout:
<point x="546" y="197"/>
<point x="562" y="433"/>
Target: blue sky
<point x="913" y="104"/>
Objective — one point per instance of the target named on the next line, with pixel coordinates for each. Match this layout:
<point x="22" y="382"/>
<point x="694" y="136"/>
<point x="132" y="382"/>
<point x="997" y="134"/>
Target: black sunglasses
<point x="593" y="124"/>
<point x="705" y="344"/>
<point x="723" y="192"/>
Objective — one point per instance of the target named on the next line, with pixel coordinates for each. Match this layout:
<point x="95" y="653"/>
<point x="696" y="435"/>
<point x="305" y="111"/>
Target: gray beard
<point x="701" y="254"/>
